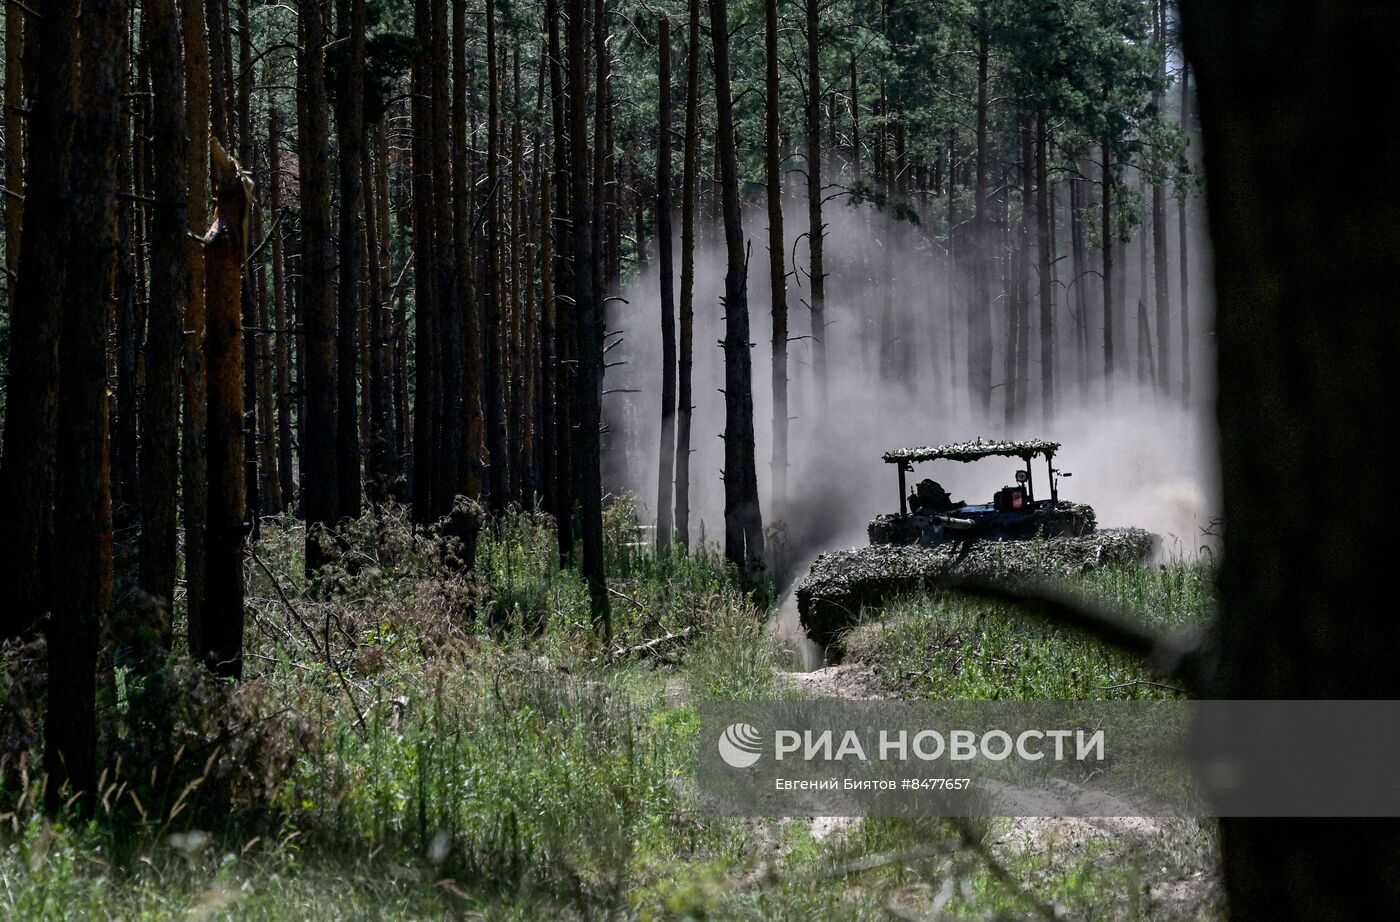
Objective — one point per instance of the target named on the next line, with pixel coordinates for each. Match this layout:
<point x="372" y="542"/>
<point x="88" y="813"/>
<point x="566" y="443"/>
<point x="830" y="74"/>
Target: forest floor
<point x="390" y="756"/>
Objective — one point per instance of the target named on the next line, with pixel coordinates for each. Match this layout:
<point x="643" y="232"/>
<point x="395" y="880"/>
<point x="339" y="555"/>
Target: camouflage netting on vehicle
<point x="831" y="597"/>
<point x="974" y="450"/>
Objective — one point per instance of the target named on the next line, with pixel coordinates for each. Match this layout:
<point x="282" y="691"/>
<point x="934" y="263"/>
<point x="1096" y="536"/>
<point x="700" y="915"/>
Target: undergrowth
<point x="411" y="741"/>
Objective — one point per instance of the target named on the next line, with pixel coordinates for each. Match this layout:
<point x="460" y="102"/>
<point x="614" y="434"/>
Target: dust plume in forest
<point x="1138" y="457"/>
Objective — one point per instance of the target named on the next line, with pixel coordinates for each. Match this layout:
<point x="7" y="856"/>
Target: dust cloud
<point x="896" y="343"/>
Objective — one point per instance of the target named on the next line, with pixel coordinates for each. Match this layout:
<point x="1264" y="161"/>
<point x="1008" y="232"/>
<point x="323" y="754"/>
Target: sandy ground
<point x="1053" y="844"/>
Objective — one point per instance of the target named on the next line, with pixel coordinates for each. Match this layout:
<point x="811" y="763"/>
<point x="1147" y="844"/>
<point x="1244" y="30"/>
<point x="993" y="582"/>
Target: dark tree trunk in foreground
<point x="218" y="642"/>
<point x="27" y="474"/>
<point x="815" y="228"/>
<point x="319" y="479"/>
<point x="668" y="295"/>
<point x="170" y="282"/>
<point x="690" y="185"/>
<point x="588" y="318"/>
<point x="743" y="523"/>
<point x="1304" y="392"/>
<point x="777" y="268"/>
<point x="16" y="132"/>
<point x="83" y="501"/>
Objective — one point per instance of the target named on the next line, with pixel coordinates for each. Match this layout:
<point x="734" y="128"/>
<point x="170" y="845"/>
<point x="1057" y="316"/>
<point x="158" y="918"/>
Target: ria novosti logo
<point x="740" y="745"/>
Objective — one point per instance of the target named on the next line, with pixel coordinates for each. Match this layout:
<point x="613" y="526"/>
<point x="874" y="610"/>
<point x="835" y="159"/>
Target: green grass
<point x="949" y="647"/>
<point x="410" y="743"/>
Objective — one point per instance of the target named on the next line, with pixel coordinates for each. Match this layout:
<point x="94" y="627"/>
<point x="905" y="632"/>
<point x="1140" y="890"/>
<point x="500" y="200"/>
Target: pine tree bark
<point x="16" y="132"/>
<point x="979" y="321"/>
<point x="1047" y="304"/>
<point x="350" y="131"/>
<point x="194" y="480"/>
<point x="320" y="482"/>
<point x="566" y="376"/>
<point x="243" y="150"/>
<point x="816" y="229"/>
<point x="472" y="473"/>
<point x="217" y="640"/>
<point x="170" y="284"/>
<point x="1182" y="241"/>
<point x="1106" y="232"/>
<point x="589" y="327"/>
<point x="451" y="343"/>
<point x="690" y="184"/>
<point x="1159" y="220"/>
<point x="497" y="447"/>
<point x="282" y="351"/>
<point x="129" y="305"/>
<point x="426" y="354"/>
<point x="666" y="467"/>
<point x="743" y="522"/>
<point x="27" y="472"/>
<point x="777" y="268"/>
<point x="82" y="496"/>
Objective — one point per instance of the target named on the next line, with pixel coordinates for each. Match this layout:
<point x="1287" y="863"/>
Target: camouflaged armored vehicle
<point x="1025" y="532"/>
<point x="929" y="516"/>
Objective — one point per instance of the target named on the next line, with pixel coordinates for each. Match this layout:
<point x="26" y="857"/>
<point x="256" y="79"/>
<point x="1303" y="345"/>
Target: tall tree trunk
<point x="1183" y="245"/>
<point x="243" y="151"/>
<point x="690" y="184"/>
<point x="1303" y="392"/>
<point x="194" y="477"/>
<point x="472" y="473"/>
<point x="1106" y="232"/>
<point x="587" y="416"/>
<point x="566" y="382"/>
<point x="855" y="117"/>
<point x="777" y="267"/>
<point x="15" y="134"/>
<point x="816" y="230"/>
<point x="170" y="284"/>
<point x="743" y="522"/>
<point x="320" y="484"/>
<point x="83" y="500"/>
<point x="1047" y="305"/>
<point x="282" y="352"/>
<point x="426" y="369"/>
<point x="519" y="353"/>
<point x="218" y="642"/>
<point x="497" y="447"/>
<point x="668" y="306"/>
<point x="448" y="461"/>
<point x="1159" y="219"/>
<point x="129" y="302"/>
<point x="349" y="124"/>
<point x="1080" y="261"/>
<point x="979" y="321"/>
<point x="27" y="473"/>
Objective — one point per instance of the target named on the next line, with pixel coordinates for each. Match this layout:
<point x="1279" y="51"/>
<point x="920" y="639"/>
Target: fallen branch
<point x="330" y="659"/>
<point x="650" y="647"/>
